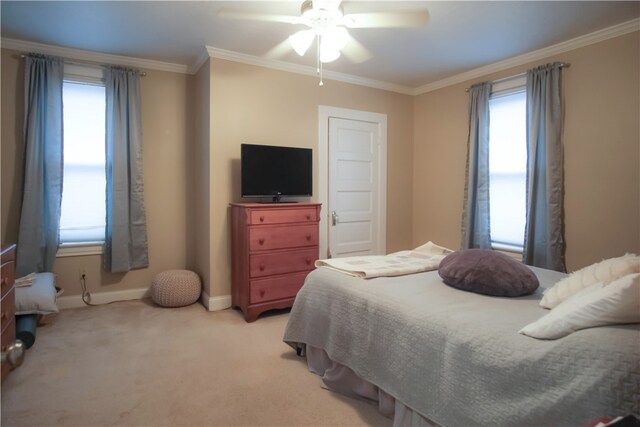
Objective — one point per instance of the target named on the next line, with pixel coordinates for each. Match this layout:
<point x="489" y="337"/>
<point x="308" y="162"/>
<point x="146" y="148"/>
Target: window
<point x="83" y="213"/>
<point x="507" y="167"/>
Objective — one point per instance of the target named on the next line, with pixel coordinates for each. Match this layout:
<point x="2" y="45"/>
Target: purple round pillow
<point x="487" y="272"/>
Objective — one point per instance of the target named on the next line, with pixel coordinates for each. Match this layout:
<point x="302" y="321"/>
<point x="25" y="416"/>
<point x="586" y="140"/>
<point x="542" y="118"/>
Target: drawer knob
<point x="261" y="241"/>
<point x="308" y="216"/>
<point x="261" y="292"/>
<point x="13" y="354"/>
<point x="308" y="261"/>
<point x="261" y="267"/>
<point x="261" y="219"/>
<point x="308" y="236"/>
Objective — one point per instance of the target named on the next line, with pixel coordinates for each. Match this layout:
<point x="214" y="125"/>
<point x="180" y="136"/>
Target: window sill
<point x="80" y="249"/>
<point x="507" y="248"/>
<point x="514" y="252"/>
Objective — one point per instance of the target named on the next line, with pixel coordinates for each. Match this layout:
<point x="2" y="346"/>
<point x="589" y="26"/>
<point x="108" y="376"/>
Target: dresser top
<point x="8" y="253"/>
<point x="274" y="205"/>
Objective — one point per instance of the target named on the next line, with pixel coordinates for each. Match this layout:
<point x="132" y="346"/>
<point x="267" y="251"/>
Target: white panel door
<point x="353" y="192"/>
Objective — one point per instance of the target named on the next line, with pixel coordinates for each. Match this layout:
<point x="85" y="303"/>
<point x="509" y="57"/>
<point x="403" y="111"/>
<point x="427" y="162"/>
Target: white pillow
<point x="39" y="298"/>
<point x="595" y="305"/>
<point x="604" y="271"/>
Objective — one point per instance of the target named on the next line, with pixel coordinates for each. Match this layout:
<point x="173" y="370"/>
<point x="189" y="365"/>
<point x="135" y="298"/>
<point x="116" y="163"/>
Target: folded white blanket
<point x="24" y="281"/>
<point x="423" y="258"/>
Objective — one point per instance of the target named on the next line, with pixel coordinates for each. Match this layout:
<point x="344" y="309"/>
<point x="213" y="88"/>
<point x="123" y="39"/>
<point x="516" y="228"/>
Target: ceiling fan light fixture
<point x="335" y="38"/>
<point x="319" y="14"/>
<point x="328" y="55"/>
<point x="301" y="41"/>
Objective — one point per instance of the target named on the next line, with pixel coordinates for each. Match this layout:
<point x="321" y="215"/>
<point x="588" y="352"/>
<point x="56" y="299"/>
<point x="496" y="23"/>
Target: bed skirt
<point x="341" y="379"/>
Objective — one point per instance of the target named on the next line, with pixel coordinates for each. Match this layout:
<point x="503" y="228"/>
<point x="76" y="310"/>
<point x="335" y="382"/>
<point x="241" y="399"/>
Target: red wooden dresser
<point x="273" y="248"/>
<point x="7" y="314"/>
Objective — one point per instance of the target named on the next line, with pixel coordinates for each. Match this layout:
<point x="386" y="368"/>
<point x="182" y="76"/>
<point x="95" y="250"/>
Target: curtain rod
<point x="504" y="79"/>
<point x="85" y="64"/>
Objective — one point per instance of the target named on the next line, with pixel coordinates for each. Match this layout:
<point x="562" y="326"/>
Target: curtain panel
<point x="544" y="244"/>
<point x="475" y="214"/>
<point x="43" y="169"/>
<point x="126" y="229"/>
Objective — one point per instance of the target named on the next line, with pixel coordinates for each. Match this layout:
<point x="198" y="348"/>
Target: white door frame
<point x="324" y="113"/>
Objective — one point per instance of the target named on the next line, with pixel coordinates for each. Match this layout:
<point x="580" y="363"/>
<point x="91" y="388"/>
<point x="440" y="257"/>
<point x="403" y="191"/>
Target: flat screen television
<point x="275" y="172"/>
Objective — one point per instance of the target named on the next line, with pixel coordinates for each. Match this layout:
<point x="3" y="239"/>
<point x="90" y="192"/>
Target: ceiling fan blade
<point x="355" y="51"/>
<point x="250" y="16"/>
<point x="326" y="4"/>
<point x="280" y="50"/>
<point x="386" y="19"/>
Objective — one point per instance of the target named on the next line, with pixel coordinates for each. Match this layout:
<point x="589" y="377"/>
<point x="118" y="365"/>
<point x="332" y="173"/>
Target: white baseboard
<point x="75" y="301"/>
<point x="215" y="303"/>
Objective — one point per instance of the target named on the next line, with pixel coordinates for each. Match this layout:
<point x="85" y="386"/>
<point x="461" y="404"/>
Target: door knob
<point x="334" y="218"/>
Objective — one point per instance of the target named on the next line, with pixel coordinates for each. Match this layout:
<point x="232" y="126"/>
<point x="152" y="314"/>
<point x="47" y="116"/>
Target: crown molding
<point x="200" y="60"/>
<point x="91" y="56"/>
<point x="302" y="69"/>
<point x="578" y="42"/>
<point x="575" y="43"/>
<point x="212" y="52"/>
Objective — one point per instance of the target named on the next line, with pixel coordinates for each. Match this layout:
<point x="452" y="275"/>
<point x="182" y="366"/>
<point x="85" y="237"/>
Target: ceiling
<point x="459" y="37"/>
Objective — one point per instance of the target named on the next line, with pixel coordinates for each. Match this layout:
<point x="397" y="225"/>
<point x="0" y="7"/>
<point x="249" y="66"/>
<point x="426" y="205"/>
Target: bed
<point x="435" y="355"/>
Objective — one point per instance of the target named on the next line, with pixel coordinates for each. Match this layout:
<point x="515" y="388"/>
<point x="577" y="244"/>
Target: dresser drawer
<point x="274" y="288"/>
<point x="8" y="308"/>
<point x="281" y="216"/>
<point x="8" y="337"/>
<point x="8" y="333"/>
<point x="282" y="262"/>
<point x="8" y="272"/>
<point x="281" y="237"/>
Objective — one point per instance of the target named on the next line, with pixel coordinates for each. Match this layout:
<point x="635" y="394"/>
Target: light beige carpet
<point x="135" y="364"/>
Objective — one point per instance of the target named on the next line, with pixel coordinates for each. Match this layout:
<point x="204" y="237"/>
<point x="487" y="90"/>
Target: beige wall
<point x="601" y="145"/>
<point x="200" y="160"/>
<point x="193" y="127"/>
<point x="166" y="127"/>
<point x="190" y="178"/>
<point x="264" y="106"/>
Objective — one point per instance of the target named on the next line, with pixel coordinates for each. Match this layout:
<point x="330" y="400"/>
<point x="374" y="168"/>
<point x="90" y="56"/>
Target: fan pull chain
<point x="319" y="62"/>
<point x="317" y="54"/>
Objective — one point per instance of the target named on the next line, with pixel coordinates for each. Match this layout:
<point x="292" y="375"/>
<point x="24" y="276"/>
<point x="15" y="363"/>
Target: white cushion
<point x="176" y="288"/>
<point x="596" y="305"/>
<point x="604" y="271"/>
<point x="39" y="298"/>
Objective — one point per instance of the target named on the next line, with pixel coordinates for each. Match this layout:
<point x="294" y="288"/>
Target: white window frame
<point x="504" y="87"/>
<point x="88" y="75"/>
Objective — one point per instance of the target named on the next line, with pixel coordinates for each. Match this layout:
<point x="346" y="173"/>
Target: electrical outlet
<point x="82" y="273"/>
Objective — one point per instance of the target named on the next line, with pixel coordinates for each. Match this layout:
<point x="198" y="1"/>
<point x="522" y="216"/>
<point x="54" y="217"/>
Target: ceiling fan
<point x="328" y="26"/>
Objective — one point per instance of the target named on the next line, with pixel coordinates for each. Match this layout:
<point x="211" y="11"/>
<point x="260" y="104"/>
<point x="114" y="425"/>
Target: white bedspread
<point x="456" y="357"/>
<point x="424" y="258"/>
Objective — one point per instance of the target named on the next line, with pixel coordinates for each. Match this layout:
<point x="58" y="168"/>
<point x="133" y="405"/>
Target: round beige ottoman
<point x="175" y="288"/>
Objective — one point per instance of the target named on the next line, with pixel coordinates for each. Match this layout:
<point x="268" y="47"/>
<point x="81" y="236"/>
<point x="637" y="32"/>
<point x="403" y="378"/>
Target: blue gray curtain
<point x="42" y="197"/>
<point x="475" y="214"/>
<point x="544" y="235"/>
<point x="126" y="229"/>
